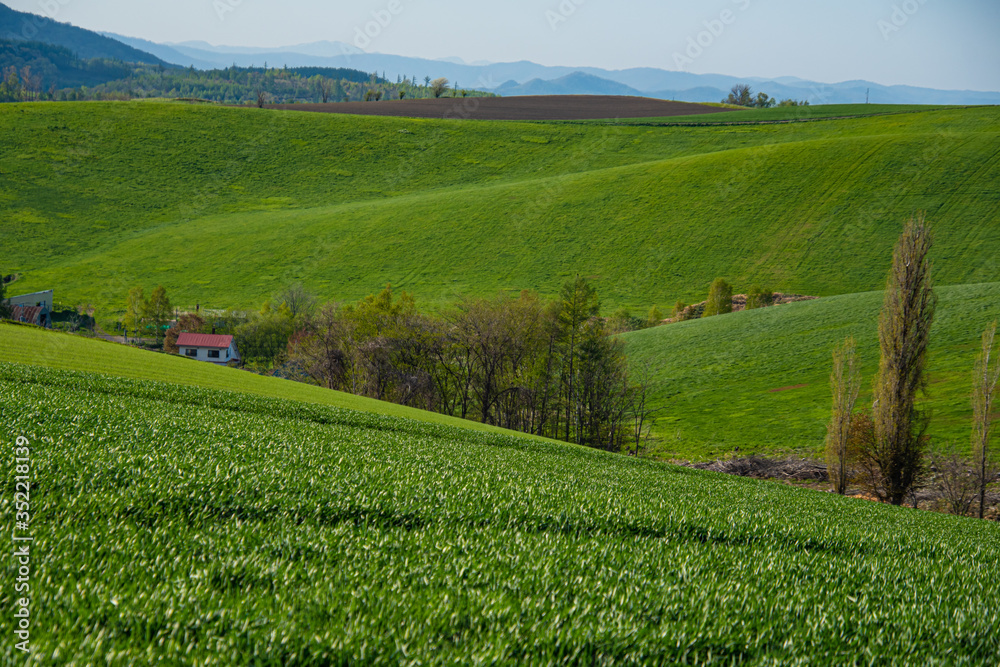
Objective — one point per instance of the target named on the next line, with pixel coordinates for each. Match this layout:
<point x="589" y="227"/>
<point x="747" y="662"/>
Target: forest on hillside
<point x="32" y="71"/>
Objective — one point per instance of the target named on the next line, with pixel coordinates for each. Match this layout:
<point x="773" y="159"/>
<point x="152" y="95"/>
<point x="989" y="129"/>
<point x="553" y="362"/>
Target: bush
<point x="622" y="321"/>
<point x="955" y="480"/>
<point x="654" y="318"/>
<point x="759" y="297"/>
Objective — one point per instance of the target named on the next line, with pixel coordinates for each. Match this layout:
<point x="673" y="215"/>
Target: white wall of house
<point x="221" y="356"/>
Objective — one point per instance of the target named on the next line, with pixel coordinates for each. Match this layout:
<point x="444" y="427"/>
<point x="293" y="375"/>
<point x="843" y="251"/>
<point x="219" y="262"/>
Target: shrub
<point x="759" y="297"/>
<point x="955" y="480"/>
<point x="654" y="318"/>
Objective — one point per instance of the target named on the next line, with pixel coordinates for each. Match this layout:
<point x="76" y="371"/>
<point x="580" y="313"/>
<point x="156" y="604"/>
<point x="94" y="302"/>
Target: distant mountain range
<point x="528" y="78"/>
<point x="576" y="83"/>
<point x="509" y="79"/>
<point x="18" y="26"/>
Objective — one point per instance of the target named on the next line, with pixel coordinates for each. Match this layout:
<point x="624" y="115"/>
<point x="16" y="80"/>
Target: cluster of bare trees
<point x="887" y="449"/>
<point x="20" y="86"/>
<point x="547" y="368"/>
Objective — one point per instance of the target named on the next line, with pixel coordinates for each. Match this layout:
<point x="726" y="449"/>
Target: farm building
<point x="34" y="308"/>
<point x="208" y="347"/>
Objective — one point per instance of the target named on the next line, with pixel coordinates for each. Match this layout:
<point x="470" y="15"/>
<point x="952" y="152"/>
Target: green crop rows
<point x="188" y="526"/>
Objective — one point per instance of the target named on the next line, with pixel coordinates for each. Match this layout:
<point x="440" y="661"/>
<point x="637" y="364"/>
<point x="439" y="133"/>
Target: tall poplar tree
<point x="904" y="331"/>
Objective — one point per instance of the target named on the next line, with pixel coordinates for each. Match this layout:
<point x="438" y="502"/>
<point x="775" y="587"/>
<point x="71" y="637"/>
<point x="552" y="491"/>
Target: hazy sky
<point x="950" y="44"/>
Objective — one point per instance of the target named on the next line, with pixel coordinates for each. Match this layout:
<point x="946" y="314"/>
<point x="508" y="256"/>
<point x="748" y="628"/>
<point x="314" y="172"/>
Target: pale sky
<point x="948" y="44"/>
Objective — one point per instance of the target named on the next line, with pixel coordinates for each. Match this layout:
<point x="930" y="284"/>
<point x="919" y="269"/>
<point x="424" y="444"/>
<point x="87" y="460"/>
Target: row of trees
<point x="720" y="301"/>
<point x="20" y="85"/>
<point x="549" y="368"/>
<point x="742" y="95"/>
<point x="887" y="448"/>
<point x="43" y="74"/>
<point x="35" y="71"/>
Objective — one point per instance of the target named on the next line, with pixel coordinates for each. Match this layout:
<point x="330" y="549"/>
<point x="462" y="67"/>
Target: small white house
<point x="208" y="347"/>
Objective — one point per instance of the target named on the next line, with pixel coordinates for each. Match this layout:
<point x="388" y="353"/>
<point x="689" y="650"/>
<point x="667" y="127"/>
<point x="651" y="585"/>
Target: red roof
<point x="203" y="340"/>
<point x="29" y="314"/>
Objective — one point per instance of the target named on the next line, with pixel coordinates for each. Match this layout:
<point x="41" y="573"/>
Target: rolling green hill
<point x="180" y="525"/>
<point x="759" y="379"/>
<point x="226" y="206"/>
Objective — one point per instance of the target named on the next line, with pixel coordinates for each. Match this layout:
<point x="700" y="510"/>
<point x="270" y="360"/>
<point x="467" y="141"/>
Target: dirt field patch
<point x="539" y="107"/>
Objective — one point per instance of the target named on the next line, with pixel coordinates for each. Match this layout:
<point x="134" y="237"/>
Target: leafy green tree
<point x="158" y="310"/>
<point x="135" y="310"/>
<point x="763" y="101"/>
<point x="720" y="298"/>
<point x="439" y="86"/>
<point x="741" y="94"/>
<point x="654" y="318"/>
<point x="759" y="297"/>
<point x="263" y="338"/>
<point x="621" y="321"/>
<point x="904" y="331"/>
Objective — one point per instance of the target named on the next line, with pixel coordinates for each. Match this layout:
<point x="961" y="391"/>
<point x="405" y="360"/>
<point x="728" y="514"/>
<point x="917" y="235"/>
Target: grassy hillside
<point x="225" y="206"/>
<point x="759" y="380"/>
<point x="48" y="349"/>
<point x="188" y="526"/>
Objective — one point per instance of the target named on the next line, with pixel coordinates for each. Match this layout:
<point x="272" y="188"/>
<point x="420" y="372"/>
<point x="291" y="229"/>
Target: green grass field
<point x="179" y="525"/>
<point x="759" y="379"/>
<point x="227" y="206"/>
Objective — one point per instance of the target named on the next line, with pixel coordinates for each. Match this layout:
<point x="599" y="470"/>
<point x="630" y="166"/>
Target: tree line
<point x="741" y="95"/>
<point x="886" y="448"/>
<point x="550" y="368"/>
<point x="40" y="72"/>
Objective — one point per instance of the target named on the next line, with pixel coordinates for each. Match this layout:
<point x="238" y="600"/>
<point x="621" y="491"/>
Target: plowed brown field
<point x="541" y="107"/>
